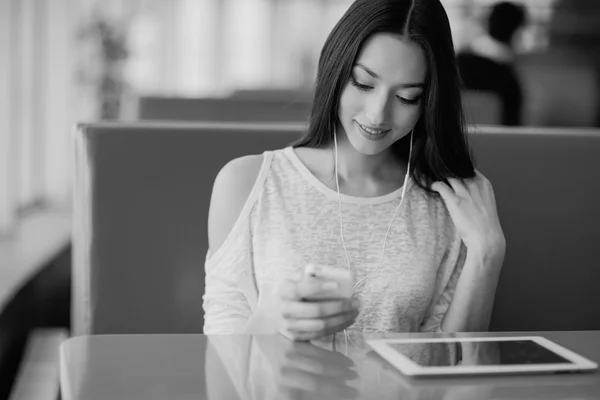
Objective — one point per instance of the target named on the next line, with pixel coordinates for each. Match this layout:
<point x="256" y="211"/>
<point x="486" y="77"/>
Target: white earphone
<point x="404" y="186"/>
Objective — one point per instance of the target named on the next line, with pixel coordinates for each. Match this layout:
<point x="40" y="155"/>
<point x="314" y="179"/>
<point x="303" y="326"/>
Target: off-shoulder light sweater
<point x="291" y="218"/>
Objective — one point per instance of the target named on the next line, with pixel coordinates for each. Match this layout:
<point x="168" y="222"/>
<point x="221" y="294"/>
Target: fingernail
<point x="312" y="270"/>
<point x="329" y="286"/>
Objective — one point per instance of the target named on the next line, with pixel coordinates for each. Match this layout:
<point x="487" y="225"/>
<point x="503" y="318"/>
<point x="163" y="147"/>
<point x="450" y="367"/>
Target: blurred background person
<point x="487" y="63"/>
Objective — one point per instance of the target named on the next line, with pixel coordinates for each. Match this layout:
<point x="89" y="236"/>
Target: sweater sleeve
<point x="228" y="294"/>
<point x="447" y="278"/>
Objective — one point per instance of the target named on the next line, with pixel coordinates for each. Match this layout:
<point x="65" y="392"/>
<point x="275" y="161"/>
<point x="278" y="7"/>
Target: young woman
<point x="382" y="184"/>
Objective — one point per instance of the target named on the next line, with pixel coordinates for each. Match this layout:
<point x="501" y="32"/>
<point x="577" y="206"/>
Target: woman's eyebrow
<point x="374" y="75"/>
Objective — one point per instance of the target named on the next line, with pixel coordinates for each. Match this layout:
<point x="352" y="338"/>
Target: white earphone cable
<point x="404" y="187"/>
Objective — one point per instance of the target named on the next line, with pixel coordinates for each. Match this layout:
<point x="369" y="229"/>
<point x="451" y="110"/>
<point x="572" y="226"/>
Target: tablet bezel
<point x="410" y="368"/>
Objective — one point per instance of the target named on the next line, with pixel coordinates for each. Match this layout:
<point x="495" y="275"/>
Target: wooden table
<point x="271" y="367"/>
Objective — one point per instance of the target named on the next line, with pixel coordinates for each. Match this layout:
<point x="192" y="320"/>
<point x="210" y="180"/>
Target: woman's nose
<point x="377" y="109"/>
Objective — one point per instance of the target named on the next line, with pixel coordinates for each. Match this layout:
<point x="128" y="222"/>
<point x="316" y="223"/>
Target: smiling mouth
<point x="372" y="131"/>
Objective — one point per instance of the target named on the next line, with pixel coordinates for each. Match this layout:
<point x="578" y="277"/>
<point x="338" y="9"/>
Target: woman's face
<point x="382" y="101"/>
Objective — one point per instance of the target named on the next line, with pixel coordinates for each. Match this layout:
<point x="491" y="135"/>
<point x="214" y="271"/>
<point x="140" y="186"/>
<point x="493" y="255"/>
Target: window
<point x="36" y="107"/>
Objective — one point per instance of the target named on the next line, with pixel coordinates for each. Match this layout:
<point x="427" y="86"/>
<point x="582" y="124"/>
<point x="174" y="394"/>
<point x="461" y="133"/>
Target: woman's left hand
<point x="472" y="207"/>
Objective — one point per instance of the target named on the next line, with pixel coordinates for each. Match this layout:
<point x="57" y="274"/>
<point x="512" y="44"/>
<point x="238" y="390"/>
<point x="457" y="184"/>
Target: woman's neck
<point x="359" y="167"/>
<point x="371" y="175"/>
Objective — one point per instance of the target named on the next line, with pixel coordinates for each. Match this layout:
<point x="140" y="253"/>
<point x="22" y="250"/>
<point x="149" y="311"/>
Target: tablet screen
<point x="501" y="352"/>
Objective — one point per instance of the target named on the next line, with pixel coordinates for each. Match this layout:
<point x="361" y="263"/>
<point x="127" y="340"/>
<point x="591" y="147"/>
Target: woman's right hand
<point x="306" y="317"/>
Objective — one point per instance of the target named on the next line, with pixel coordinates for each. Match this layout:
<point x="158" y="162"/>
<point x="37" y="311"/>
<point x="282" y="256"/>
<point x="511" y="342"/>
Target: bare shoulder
<point x="231" y="189"/>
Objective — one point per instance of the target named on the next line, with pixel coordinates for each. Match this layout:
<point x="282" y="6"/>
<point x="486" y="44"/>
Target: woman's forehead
<point x="393" y="60"/>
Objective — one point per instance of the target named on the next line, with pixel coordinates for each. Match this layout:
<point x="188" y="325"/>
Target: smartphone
<point x="343" y="278"/>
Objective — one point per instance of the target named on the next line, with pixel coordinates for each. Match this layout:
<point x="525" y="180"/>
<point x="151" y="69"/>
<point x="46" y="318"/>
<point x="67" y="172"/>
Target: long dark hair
<point x="440" y="147"/>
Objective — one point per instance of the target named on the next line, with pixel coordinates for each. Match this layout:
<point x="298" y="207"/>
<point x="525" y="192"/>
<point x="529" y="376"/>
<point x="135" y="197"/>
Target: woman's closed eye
<point x="360" y="86"/>
<point x="366" y="88"/>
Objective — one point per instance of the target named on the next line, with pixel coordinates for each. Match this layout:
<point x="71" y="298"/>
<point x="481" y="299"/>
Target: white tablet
<point x="485" y="355"/>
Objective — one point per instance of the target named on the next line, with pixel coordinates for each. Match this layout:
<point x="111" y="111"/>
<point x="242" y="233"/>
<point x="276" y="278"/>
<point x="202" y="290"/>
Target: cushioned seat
<point x="283" y="95"/>
<point x="141" y="197"/>
<point x="222" y="110"/>
<point x="482" y="108"/>
<point x="559" y="89"/>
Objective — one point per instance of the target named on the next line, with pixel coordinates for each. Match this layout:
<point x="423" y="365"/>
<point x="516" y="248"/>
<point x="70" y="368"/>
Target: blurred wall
<point x="574" y="33"/>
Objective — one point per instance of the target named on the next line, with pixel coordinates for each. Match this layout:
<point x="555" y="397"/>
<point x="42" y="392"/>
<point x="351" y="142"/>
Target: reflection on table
<point x="273" y="367"/>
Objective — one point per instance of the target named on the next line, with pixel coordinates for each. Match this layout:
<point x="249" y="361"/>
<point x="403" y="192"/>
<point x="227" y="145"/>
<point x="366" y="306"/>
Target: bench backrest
<point x="222" y="109"/>
<point x="142" y="192"/>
